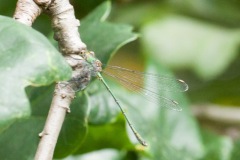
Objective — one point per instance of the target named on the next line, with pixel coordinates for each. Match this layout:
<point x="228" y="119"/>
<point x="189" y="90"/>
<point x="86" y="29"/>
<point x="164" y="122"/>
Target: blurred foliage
<point x="30" y="46"/>
<point x="197" y="40"/>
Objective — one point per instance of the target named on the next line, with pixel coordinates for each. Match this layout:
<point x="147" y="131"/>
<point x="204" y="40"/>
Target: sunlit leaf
<point x="100" y="154"/>
<point x="181" y="42"/>
<point x="27" y="58"/>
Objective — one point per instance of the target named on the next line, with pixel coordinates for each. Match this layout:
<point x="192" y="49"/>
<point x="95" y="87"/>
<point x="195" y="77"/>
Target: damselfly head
<point x="87" y="54"/>
<point x="98" y="65"/>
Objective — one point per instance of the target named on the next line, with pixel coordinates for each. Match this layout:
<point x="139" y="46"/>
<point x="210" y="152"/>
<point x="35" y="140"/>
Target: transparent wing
<point x="145" y="85"/>
<point x="169" y="83"/>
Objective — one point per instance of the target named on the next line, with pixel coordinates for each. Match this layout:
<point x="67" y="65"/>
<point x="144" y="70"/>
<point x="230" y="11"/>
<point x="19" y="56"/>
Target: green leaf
<point x="102" y="37"/>
<point x="117" y="137"/>
<point x="103" y="106"/>
<point x="183" y="42"/>
<point x="22" y="138"/>
<point x="100" y="154"/>
<point x="27" y="58"/>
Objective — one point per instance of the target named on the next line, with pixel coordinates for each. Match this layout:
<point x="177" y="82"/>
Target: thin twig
<point x="223" y="120"/>
<point x="223" y="114"/>
<point x="60" y="103"/>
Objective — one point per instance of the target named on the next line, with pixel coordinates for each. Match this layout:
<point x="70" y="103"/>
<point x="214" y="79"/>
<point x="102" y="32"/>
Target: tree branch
<point x="65" y="27"/>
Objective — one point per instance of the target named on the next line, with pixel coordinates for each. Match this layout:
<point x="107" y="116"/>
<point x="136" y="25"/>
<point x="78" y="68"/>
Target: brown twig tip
<point x="68" y="110"/>
<point x="63" y="96"/>
<point x="144" y="144"/>
<point x="42" y="134"/>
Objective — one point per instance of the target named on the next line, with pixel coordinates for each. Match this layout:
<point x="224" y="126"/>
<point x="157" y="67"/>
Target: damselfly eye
<point x="82" y="52"/>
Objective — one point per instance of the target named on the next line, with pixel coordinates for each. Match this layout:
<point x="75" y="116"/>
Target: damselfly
<point x="133" y="80"/>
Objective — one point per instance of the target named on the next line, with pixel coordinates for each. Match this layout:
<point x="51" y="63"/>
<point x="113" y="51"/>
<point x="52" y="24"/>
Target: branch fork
<point x="65" y="27"/>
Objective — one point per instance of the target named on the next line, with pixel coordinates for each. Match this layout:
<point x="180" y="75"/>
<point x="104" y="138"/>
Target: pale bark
<point x="60" y="104"/>
<point x="26" y="12"/>
<point x="65" y="27"/>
